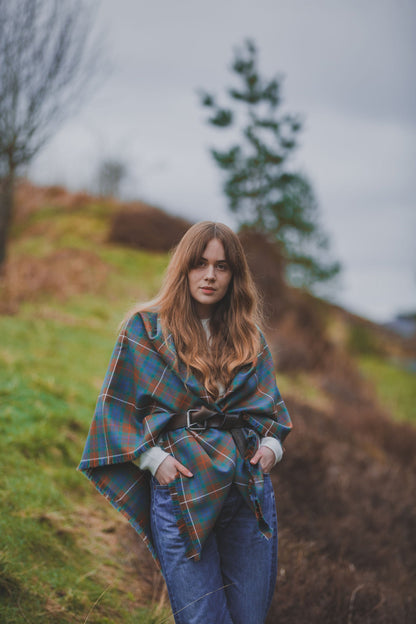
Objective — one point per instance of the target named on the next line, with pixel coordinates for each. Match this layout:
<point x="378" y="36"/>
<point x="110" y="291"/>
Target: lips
<point x="207" y="289"/>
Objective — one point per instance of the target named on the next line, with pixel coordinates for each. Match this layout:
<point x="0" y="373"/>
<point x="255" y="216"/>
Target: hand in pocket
<point x="168" y="469"/>
<point x="265" y="456"/>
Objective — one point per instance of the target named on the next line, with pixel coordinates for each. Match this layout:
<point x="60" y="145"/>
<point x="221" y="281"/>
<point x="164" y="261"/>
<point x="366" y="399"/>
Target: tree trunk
<point x="6" y="209"/>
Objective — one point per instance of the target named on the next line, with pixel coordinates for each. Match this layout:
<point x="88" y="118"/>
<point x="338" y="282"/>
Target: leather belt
<point x="203" y="418"/>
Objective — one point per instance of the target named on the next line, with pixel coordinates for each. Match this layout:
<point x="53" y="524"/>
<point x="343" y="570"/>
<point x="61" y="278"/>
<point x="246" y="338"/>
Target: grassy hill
<point x="345" y="490"/>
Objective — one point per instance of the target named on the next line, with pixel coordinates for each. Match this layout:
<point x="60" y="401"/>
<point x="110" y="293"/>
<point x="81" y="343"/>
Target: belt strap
<point x="203" y="418"/>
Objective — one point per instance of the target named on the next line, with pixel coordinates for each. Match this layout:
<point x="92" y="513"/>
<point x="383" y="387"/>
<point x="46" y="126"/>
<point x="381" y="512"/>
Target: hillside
<point x="345" y="489"/>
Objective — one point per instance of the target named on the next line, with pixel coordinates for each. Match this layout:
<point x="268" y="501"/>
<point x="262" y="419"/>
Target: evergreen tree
<point x="261" y="188"/>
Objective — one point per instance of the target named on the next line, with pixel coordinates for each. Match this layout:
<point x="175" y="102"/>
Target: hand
<point x="168" y="470"/>
<point x="265" y="456"/>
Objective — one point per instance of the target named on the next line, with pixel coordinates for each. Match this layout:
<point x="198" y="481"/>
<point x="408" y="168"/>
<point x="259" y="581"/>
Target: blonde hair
<point x="234" y="322"/>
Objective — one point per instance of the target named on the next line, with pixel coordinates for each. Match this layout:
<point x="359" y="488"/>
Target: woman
<point x="187" y="427"/>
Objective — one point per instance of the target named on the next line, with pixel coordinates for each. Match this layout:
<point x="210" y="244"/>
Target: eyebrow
<point x="203" y="258"/>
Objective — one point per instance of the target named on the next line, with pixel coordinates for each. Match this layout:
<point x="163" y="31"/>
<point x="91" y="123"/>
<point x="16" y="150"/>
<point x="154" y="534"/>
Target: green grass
<point x="395" y="386"/>
<point x="50" y="373"/>
<point x="53" y="356"/>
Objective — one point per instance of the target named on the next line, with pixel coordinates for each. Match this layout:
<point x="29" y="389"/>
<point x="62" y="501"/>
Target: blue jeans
<point x="234" y="580"/>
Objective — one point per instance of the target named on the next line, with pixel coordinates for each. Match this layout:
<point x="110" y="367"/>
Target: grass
<point x="305" y="387"/>
<point x="50" y="373"/>
<point x="53" y="356"/>
<point x="395" y="386"/>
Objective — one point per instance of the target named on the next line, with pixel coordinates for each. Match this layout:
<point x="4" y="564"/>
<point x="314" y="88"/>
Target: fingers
<point x="266" y="465"/>
<point x="168" y="470"/>
<point x="257" y="455"/>
<point x="182" y="469"/>
<point x="266" y="458"/>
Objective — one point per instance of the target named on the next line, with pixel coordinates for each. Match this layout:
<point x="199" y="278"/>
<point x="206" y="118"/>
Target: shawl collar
<point x="167" y="350"/>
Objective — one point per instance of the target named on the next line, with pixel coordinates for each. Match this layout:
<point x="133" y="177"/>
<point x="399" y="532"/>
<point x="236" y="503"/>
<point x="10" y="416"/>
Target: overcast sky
<point x="348" y="69"/>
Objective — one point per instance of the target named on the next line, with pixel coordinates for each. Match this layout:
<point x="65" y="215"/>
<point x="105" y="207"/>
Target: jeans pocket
<point x="159" y="486"/>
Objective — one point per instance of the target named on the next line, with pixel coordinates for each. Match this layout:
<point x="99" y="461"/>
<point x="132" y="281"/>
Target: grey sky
<point x="349" y="70"/>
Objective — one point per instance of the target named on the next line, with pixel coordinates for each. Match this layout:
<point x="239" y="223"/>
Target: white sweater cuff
<point x="151" y="459"/>
<point x="274" y="445"/>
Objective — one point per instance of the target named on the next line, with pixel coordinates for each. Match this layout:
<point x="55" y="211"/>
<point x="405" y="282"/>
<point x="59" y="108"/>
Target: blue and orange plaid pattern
<point x="144" y="386"/>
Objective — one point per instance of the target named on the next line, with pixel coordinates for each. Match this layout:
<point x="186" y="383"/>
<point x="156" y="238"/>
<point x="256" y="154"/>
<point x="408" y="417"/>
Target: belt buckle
<point x="196" y="426"/>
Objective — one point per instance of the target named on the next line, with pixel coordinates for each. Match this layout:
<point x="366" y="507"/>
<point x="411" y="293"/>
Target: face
<point x="209" y="279"/>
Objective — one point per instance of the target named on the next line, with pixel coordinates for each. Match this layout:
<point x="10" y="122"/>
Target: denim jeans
<point x="234" y="580"/>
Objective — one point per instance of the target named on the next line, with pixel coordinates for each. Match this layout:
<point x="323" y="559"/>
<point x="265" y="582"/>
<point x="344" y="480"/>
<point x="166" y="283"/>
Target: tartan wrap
<point x="144" y="385"/>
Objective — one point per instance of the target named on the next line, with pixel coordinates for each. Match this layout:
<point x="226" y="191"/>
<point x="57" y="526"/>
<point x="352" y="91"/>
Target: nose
<point x="210" y="272"/>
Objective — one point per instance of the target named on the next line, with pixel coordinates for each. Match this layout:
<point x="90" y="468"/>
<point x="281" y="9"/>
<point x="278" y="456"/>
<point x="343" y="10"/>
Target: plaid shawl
<point x="145" y="384"/>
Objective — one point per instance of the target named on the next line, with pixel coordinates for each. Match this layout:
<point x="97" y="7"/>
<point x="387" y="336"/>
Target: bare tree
<point x="49" y="60"/>
<point x="110" y="175"/>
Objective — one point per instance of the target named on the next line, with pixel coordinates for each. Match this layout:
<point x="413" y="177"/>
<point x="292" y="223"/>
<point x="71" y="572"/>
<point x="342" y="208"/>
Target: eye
<point x="222" y="266"/>
<point x="200" y="263"/>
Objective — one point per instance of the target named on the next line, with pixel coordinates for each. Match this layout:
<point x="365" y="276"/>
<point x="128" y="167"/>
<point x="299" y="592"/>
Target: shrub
<point x="362" y="341"/>
<point x="146" y="227"/>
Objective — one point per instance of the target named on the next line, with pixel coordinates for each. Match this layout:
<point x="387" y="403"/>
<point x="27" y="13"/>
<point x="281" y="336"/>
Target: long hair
<point x="234" y="322"/>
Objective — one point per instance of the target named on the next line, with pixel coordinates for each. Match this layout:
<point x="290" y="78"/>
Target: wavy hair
<point x="234" y="322"/>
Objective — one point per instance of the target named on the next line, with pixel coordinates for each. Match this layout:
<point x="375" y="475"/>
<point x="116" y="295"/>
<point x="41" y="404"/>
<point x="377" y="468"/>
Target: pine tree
<point x="260" y="185"/>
